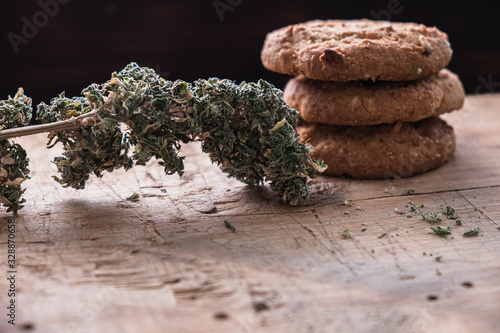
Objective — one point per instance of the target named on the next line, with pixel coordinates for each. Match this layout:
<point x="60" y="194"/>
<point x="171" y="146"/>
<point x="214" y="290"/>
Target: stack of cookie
<point x="370" y="94"/>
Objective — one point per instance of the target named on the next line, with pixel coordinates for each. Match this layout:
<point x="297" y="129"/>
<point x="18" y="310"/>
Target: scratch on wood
<point x="308" y="230"/>
<point x="429" y="193"/>
<point x="360" y="246"/>
<point x="480" y="210"/>
<point x="151" y="228"/>
<point x="316" y="215"/>
<point x="329" y="250"/>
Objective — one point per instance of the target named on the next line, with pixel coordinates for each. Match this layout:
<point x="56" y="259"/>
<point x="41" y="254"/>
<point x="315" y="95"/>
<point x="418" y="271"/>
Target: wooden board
<point x="92" y="261"/>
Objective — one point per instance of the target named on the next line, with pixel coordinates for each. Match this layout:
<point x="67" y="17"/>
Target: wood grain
<point x="93" y="261"/>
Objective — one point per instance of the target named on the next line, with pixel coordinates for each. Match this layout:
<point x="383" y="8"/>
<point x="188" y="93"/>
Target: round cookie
<point x="336" y="50"/>
<point x="364" y="103"/>
<point x="382" y="151"/>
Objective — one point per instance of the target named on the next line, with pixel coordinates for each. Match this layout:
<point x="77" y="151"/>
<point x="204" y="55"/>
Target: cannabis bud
<point x="14" y="112"/>
<point x="246" y="129"/>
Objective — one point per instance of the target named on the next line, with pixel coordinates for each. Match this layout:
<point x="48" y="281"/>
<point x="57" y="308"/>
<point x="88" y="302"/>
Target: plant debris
<point x="432" y="217"/>
<point x="229" y="225"/>
<point x="346" y="234"/>
<point x="134" y="197"/>
<point x="472" y="232"/>
<point x="450" y="212"/>
<point x="399" y="211"/>
<point x="415" y="208"/>
<point x="441" y="231"/>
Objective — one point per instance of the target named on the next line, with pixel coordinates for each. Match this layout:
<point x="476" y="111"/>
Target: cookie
<point x="337" y="50"/>
<point x="360" y="103"/>
<point x="382" y="151"/>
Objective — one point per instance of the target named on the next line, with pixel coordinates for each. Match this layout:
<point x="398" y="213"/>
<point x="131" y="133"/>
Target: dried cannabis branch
<point x="246" y="129"/>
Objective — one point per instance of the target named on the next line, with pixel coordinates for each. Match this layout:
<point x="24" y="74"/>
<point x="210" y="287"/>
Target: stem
<point x="87" y="119"/>
<point x="73" y="123"/>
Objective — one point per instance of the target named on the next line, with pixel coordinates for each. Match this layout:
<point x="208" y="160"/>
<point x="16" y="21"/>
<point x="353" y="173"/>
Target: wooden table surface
<point x="93" y="261"/>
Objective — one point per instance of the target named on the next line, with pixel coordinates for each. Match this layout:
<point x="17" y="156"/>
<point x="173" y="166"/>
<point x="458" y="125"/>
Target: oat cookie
<point x="360" y="103"/>
<point x="336" y="50"/>
<point x="381" y="151"/>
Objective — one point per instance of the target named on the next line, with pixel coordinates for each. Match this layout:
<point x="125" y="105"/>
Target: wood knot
<point x="260" y="306"/>
<point x="221" y="315"/>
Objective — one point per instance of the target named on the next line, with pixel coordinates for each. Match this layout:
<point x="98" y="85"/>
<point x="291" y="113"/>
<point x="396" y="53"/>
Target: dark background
<point x="87" y="40"/>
